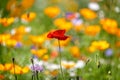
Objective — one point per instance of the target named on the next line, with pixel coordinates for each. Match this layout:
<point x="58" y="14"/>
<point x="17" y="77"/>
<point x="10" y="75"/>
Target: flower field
<point x="59" y="40"/>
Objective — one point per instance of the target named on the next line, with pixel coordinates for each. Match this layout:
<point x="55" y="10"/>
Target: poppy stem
<point x="60" y="60"/>
<point x="13" y="60"/>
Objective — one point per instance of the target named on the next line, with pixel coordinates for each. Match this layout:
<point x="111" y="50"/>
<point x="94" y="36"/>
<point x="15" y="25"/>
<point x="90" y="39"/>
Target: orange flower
<point x="52" y="12"/>
<point x="28" y="16"/>
<point x="109" y="25"/>
<point x="2" y="77"/>
<point x="88" y="14"/>
<point x="118" y="33"/>
<point x="27" y="3"/>
<point x="75" y="51"/>
<point x="6" y="21"/>
<point x="92" y="30"/>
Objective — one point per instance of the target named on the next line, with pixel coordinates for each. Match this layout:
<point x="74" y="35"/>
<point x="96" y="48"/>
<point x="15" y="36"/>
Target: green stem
<point x="60" y="57"/>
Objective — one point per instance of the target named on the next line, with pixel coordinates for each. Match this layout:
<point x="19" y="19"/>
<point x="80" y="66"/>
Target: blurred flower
<point x="27" y="17"/>
<point x="109" y="25"/>
<point x="19" y="70"/>
<point x="62" y="42"/>
<point x="68" y="64"/>
<point x="61" y="23"/>
<point x="118" y="32"/>
<point x="71" y="15"/>
<point x="93" y="6"/>
<point x="92" y="30"/>
<point x="18" y="44"/>
<point x="36" y="67"/>
<point x="117" y="9"/>
<point x="74" y="50"/>
<point x="54" y="54"/>
<point x="77" y="22"/>
<point x="11" y="42"/>
<point x="52" y="12"/>
<point x="54" y="73"/>
<point x="1" y="67"/>
<point x="38" y="40"/>
<point x="2" y="77"/>
<point x="4" y="37"/>
<point x="88" y="14"/>
<point x="100" y="45"/>
<point x="8" y="66"/>
<point x="52" y="67"/>
<point x="80" y="64"/>
<point x="27" y="3"/>
<point x="117" y="44"/>
<point x="45" y="57"/>
<point x="108" y="52"/>
<point x="6" y="21"/>
<point x="58" y="34"/>
<point x="39" y="53"/>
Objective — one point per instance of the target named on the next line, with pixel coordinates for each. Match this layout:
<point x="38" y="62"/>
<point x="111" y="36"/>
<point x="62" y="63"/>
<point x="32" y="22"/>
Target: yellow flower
<point x="38" y="40"/>
<point x="4" y="37"/>
<point x="28" y="16"/>
<point x="109" y="25"/>
<point x="21" y="30"/>
<point x="39" y="53"/>
<point x="54" y="72"/>
<point x="1" y="67"/>
<point x="11" y="42"/>
<point x="75" y="51"/>
<point x="88" y="14"/>
<point x="91" y="49"/>
<point x="6" y="21"/>
<point x="8" y="66"/>
<point x="92" y="30"/>
<point x="45" y="57"/>
<point x="19" y="70"/>
<point x="61" y="23"/>
<point x="98" y="45"/>
<point x="52" y="12"/>
<point x="79" y="27"/>
<point x="62" y="42"/>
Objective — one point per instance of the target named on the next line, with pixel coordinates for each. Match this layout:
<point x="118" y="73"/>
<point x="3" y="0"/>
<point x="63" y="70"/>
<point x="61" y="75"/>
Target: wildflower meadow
<point x="59" y="40"/>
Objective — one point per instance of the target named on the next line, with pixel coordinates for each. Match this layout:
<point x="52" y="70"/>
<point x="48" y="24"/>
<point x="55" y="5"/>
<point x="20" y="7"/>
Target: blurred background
<point x="92" y="50"/>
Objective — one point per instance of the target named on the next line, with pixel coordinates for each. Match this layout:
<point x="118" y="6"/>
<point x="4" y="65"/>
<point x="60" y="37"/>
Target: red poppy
<point x="58" y="34"/>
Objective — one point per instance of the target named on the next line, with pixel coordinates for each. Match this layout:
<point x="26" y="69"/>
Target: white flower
<point x="80" y="64"/>
<point x="28" y="29"/>
<point x="13" y="31"/>
<point x="117" y="9"/>
<point x="93" y="6"/>
<point x="52" y="67"/>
